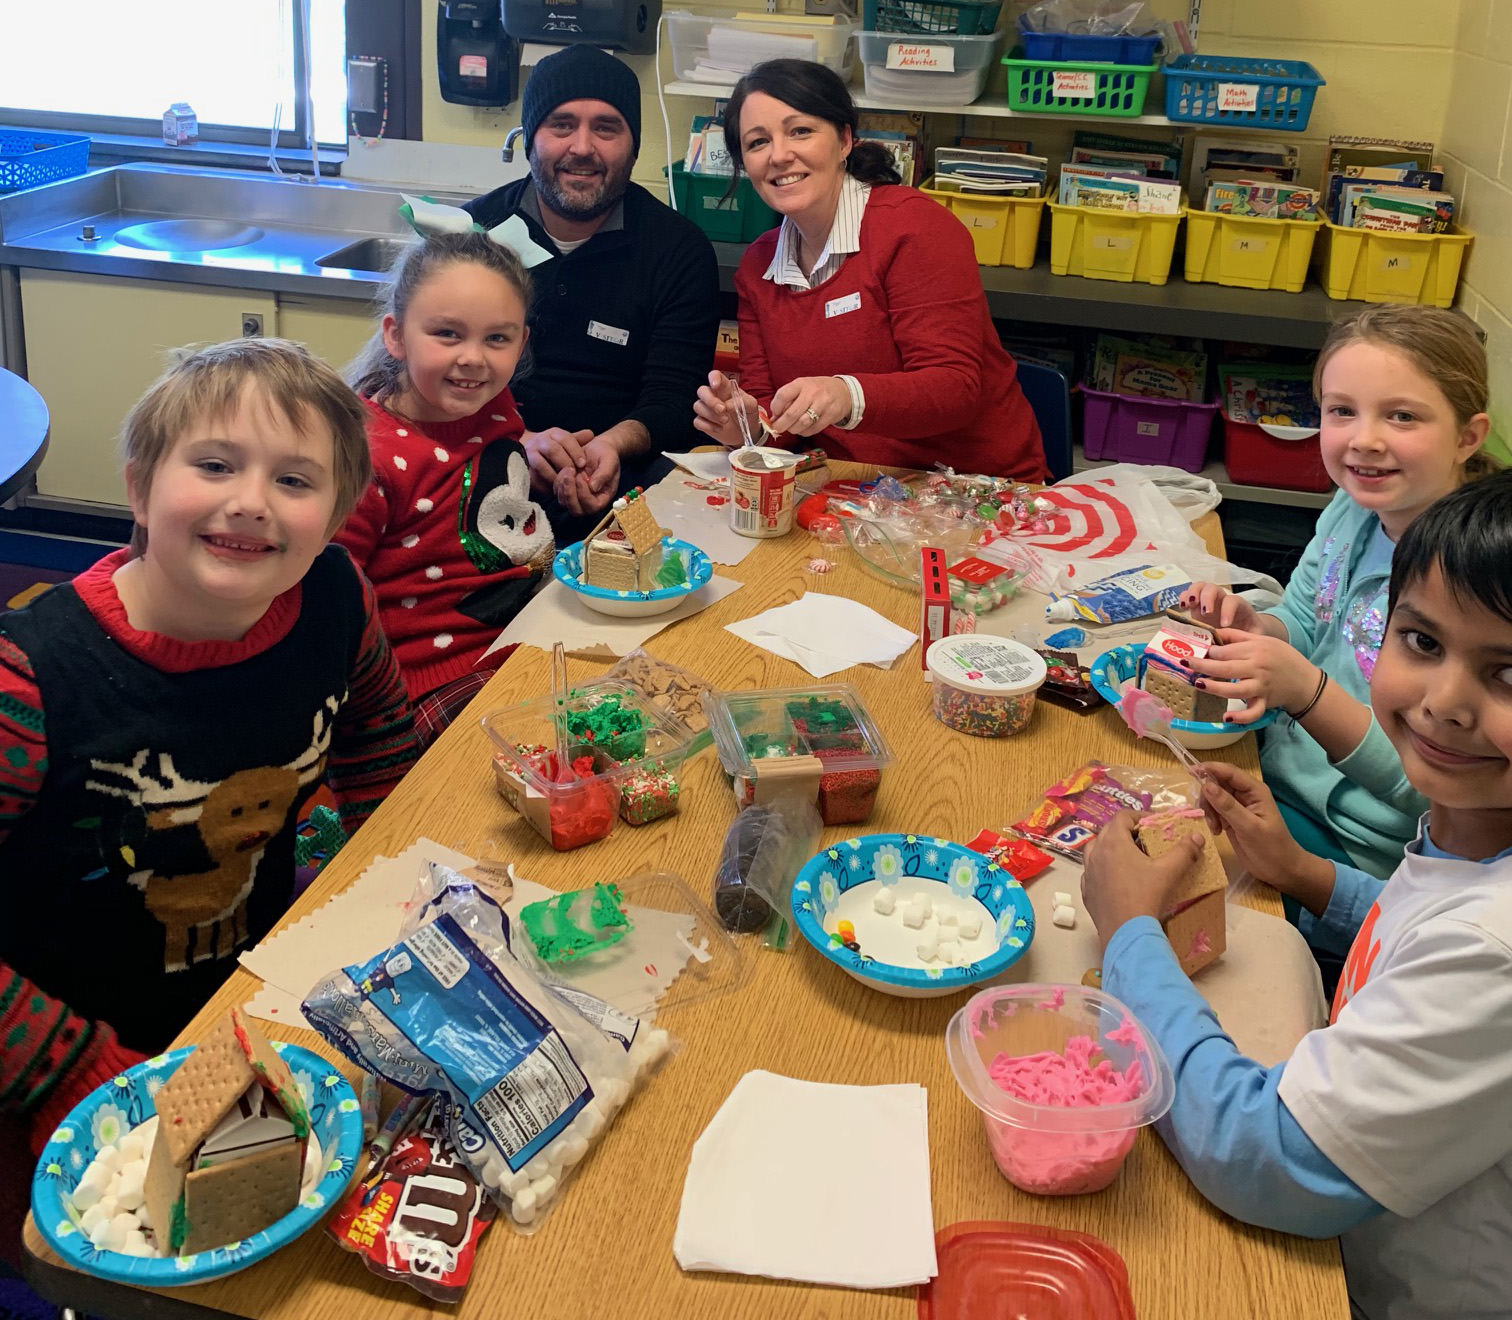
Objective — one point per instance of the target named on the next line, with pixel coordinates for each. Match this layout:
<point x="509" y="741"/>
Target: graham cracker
<point x="1160" y="833"/>
<point x="1198" y="932"/>
<point x="199" y="1094"/>
<point x="229" y="1202"/>
<point x="163" y="1187"/>
<point x="1186" y="702"/>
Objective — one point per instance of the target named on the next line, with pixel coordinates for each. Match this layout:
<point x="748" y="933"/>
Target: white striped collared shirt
<point x="844" y="239"/>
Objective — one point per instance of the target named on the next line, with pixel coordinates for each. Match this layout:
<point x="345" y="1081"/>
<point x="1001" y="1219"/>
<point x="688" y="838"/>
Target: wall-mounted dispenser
<point x="477" y="62"/>
<point x="628" y="25"/>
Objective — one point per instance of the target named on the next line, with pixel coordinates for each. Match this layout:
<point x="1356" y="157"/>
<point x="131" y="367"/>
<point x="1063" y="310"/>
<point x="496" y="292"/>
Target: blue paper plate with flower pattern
<point x="567" y="568"/>
<point x="1113" y="670"/>
<point x="112" y="1110"/>
<point x="894" y="859"/>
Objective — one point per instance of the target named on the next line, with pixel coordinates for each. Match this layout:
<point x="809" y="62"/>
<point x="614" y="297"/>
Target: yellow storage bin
<point x="1248" y="251"/>
<point x="1004" y="230"/>
<point x="1397" y="268"/>
<point x="1112" y="245"/>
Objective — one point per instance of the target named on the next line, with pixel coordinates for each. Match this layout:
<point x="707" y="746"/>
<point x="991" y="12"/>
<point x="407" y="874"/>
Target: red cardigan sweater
<point x="442" y="599"/>
<point x="940" y="388"/>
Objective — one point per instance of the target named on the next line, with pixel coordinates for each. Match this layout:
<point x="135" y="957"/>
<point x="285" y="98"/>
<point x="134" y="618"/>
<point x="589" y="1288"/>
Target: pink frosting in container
<point x="1065" y="1077"/>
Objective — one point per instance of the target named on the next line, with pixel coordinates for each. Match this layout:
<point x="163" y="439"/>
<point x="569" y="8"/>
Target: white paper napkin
<point x="764" y="1194"/>
<point x="556" y="614"/>
<point x="825" y="634"/>
<point x="707" y="465"/>
<point x="682" y="504"/>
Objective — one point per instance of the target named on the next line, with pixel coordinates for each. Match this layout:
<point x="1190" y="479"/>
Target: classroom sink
<point x="188" y="235"/>
<point x="372" y="254"/>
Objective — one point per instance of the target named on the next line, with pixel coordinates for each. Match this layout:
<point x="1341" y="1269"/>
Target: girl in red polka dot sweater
<point x="447" y="532"/>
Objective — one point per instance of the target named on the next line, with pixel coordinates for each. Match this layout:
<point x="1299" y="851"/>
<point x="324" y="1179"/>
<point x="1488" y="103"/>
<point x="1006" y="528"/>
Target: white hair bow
<point x="427" y="217"/>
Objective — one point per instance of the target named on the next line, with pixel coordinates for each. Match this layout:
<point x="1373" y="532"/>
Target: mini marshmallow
<point x="91" y="1187"/>
<point x="949" y="934"/>
<point x="513" y="1182"/>
<point x="143" y="1218"/>
<point x="493" y="1170"/>
<point x="927" y="949"/>
<point x="946" y="916"/>
<point x="109" y="1158"/>
<point x="544" y="1188"/>
<point x="1064" y="915"/>
<point x="921" y="900"/>
<point x="616" y="1093"/>
<point x="1062" y="900"/>
<point x="136" y="1245"/>
<point x="885" y="901"/>
<point x="950" y="954"/>
<point x="130" y="1194"/>
<point x="99" y="1234"/>
<point x="573" y="1149"/>
<point x="523" y="1207"/>
<point x="592" y="1119"/>
<point x="108" y="1206"/>
<point x="971" y="926"/>
<point x="913" y="916"/>
<point x="539" y="1167"/>
<point x="132" y="1146"/>
<point x="94" y="1215"/>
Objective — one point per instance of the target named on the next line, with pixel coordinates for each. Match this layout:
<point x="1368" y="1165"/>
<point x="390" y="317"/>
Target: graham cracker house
<point x="1194" y="917"/>
<point x="624" y="552"/>
<point x="230" y="1148"/>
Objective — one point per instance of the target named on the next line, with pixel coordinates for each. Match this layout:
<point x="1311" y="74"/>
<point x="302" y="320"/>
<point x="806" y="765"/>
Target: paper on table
<point x="364" y="920"/>
<point x="1265" y="988"/>
<point x="692" y="511"/>
<point x="556" y="614"/>
<point x="826" y="633"/>
<point x="762" y="1198"/>
<point x="707" y="465"/>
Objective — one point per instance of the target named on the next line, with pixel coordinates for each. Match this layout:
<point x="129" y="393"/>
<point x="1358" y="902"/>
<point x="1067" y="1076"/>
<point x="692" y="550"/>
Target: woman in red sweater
<point x="862" y="317"/>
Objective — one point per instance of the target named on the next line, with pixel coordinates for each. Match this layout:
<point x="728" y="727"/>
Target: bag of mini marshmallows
<point x="535" y="1075"/>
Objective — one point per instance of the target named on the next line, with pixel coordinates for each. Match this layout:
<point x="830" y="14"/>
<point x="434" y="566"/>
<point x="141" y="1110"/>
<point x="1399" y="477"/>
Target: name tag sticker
<point x="839" y="306"/>
<point x="610" y="334"/>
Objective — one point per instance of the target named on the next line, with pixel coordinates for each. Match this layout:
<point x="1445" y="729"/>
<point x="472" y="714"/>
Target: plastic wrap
<point x="1093" y="18"/>
<point x="766" y="846"/>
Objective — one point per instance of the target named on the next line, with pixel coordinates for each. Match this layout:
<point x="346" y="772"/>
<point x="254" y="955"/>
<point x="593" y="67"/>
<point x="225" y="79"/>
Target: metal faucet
<point x="517" y="131"/>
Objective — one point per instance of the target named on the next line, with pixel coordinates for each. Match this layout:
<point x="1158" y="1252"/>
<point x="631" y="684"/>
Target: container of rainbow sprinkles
<point x="984" y="685"/>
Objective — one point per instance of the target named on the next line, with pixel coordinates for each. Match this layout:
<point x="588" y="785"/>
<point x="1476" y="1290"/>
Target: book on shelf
<point x="1262" y="200"/>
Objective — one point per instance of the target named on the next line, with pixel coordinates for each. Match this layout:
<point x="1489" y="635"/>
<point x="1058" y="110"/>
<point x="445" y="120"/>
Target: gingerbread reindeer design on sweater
<point x="205" y="915"/>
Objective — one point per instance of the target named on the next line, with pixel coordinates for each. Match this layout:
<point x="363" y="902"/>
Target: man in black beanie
<point x="624" y="318"/>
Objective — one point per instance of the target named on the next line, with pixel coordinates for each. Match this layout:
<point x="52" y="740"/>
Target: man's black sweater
<point x="621" y="328"/>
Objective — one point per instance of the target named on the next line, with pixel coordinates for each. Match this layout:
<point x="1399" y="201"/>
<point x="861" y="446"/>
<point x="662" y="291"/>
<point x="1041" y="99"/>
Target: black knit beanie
<point x="579" y="73"/>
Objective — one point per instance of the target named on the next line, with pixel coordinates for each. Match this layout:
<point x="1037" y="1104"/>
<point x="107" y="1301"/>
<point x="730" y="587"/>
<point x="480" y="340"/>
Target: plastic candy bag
<point x="535" y="1077"/>
<point x="1074" y="810"/>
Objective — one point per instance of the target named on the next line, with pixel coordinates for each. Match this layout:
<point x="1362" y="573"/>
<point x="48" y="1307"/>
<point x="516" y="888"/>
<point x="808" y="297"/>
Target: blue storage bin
<point x="1259" y="93"/>
<point x="27" y="159"/>
<point x="1080" y="48"/>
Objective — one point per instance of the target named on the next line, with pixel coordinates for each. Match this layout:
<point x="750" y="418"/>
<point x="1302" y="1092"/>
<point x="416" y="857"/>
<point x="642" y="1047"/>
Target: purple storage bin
<point x="1128" y="429"/>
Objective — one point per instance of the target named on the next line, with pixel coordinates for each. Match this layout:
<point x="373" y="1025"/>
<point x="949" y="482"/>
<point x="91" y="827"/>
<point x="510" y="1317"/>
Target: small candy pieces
<point x="1068" y="683"/>
<point x="557" y="927"/>
<point x="846" y="930"/>
<point x="817" y="565"/>
<point x="1064" y="916"/>
<point x="648" y="794"/>
<point x="984" y="686"/>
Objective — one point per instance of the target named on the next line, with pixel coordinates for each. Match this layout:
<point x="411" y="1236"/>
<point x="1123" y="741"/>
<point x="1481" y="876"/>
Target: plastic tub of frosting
<point x="984" y="685"/>
<point x="822" y="736"/>
<point x="1065" y="1076"/>
<point x="621" y="758"/>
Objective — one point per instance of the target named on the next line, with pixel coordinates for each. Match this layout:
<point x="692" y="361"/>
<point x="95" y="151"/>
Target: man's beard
<point x="571" y="206"/>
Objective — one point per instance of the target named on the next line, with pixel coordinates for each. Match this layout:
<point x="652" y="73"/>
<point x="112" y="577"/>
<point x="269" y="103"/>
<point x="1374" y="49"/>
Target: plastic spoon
<point x="1149" y="717"/>
<point x="559" y="701"/>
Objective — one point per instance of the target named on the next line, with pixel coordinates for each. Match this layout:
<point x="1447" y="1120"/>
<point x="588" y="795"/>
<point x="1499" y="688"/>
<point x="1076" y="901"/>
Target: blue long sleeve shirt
<point x="1228" y="1128"/>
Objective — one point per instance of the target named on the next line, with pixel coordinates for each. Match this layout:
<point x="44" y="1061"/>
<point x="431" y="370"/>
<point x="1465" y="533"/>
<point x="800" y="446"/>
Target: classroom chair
<point x="1050" y="398"/>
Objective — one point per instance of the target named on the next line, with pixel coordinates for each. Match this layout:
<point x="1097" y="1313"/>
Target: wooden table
<point x="24" y="424"/>
<point x="607" y="1249"/>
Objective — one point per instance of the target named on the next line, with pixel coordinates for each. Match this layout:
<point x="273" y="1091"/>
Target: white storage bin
<point x="717" y="50"/>
<point x="932" y="69"/>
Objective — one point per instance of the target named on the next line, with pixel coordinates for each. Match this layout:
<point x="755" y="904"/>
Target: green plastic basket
<point x="1105" y="90"/>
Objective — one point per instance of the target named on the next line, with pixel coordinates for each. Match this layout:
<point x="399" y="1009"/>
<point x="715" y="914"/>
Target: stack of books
<point x="996" y="173"/>
<point x="1379" y="183"/>
<point x="1251" y="178"/>
<point x="1117" y="173"/>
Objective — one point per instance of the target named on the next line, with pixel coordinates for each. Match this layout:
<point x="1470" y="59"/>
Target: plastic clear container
<point x="1050" y="1149"/>
<point x="932" y="69"/>
<point x="578" y="803"/>
<point x="771" y="730"/>
<point x="984" y="685"/>
<point x="717" y="49"/>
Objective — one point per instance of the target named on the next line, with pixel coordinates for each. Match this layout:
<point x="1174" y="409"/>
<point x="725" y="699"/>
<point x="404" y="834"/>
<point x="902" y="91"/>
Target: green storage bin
<point x="738" y="219"/>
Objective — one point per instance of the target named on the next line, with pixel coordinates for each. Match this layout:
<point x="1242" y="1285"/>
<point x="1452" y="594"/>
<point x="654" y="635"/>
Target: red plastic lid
<point x="998" y="1271"/>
